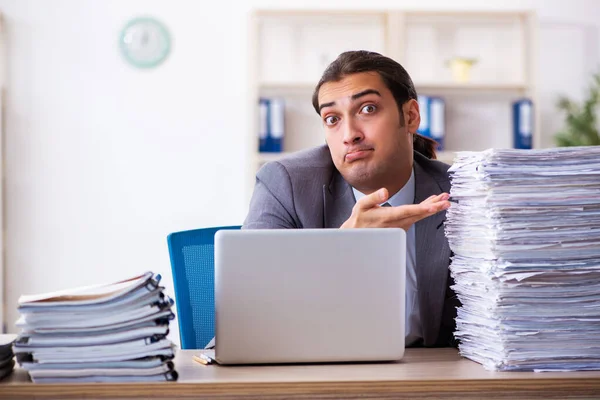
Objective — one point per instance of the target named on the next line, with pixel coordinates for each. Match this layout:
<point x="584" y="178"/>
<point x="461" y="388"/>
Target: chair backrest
<point x="192" y="263"/>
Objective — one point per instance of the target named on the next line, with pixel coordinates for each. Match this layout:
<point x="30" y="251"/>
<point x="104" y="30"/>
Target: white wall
<point x="103" y="160"/>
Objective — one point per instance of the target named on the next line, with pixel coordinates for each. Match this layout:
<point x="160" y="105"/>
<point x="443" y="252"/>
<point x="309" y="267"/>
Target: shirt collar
<point x="404" y="196"/>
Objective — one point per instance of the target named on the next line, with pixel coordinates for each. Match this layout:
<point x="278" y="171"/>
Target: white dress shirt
<point x="405" y="196"/>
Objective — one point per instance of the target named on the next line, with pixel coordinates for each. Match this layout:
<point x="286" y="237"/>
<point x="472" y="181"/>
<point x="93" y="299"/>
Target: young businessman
<point x="374" y="171"/>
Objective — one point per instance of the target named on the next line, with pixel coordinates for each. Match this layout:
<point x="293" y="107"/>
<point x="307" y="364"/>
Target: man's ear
<point x="412" y="115"/>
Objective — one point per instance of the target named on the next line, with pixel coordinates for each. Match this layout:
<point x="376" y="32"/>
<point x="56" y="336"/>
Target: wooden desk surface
<point x="423" y="373"/>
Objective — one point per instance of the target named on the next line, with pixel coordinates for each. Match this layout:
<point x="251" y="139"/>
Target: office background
<point x="102" y="160"/>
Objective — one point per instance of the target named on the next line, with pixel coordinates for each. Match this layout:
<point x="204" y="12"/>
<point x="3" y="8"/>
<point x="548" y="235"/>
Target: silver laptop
<point x="309" y="295"/>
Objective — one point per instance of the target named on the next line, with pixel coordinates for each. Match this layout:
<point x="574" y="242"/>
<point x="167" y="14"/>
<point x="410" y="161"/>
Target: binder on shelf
<point x="277" y="125"/>
<point x="271" y="125"/>
<point x="263" y="124"/>
<point x="433" y="121"/>
<point x="522" y="124"/>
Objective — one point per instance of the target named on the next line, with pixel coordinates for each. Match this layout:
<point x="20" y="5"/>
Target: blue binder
<point x="271" y="125"/>
<point x="263" y="124"/>
<point x="522" y="124"/>
<point x="276" y="125"/>
<point x="433" y="121"/>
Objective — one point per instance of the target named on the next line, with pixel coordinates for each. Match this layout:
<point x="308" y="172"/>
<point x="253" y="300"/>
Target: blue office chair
<point x="192" y="262"/>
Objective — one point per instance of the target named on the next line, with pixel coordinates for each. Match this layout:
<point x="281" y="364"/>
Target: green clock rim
<point x="149" y="64"/>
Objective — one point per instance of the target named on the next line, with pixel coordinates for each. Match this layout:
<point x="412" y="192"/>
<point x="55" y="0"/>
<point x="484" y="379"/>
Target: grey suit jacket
<point x="305" y="190"/>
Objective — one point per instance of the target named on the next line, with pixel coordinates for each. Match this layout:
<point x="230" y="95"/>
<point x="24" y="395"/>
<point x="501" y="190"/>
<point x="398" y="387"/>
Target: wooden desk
<point x="424" y="373"/>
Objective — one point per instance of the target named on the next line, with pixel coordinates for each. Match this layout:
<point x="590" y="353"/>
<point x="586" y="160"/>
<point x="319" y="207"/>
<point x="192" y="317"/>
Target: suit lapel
<point x="338" y="201"/>
<point x="433" y="254"/>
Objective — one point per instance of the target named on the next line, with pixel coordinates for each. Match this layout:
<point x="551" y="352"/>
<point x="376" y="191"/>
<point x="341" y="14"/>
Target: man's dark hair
<point x="394" y="76"/>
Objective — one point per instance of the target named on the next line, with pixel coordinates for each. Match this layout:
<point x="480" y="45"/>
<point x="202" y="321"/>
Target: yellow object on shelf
<point x="461" y="68"/>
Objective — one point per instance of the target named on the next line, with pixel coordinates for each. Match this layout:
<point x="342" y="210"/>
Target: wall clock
<point x="145" y="42"/>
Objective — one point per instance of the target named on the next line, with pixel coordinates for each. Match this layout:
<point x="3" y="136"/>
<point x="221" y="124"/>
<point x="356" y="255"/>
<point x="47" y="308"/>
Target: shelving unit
<point x="293" y="47"/>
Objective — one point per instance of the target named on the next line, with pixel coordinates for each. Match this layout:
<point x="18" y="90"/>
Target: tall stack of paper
<point x="7" y="361"/>
<point x="525" y="233"/>
<point x="103" y="333"/>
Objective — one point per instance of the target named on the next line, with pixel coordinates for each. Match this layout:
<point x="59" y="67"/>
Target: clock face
<point x="145" y="42"/>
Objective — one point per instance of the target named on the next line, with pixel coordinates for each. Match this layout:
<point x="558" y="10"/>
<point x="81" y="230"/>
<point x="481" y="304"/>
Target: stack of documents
<point x="103" y="333"/>
<point x="7" y="361"/>
<point x="525" y="233"/>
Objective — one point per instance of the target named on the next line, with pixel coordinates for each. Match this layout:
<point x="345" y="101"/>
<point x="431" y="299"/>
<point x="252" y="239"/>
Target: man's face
<point x="368" y="143"/>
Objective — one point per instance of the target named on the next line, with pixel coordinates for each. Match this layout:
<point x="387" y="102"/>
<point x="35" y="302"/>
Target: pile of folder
<point x="525" y="232"/>
<point x="103" y="333"/>
<point x="7" y="361"/>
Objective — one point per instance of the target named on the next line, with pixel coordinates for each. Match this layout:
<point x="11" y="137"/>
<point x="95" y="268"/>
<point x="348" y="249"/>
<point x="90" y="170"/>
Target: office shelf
<point x="289" y="54"/>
